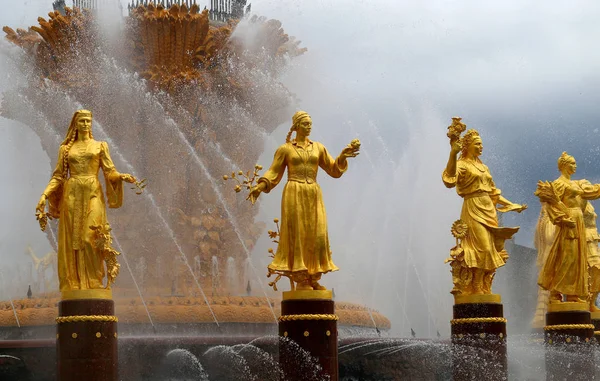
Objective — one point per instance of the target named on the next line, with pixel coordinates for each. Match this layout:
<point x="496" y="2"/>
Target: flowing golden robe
<point x="565" y="270"/>
<point x="544" y="237"/>
<point x="304" y="242"/>
<point x="79" y="203"/>
<point x="592" y="238"/>
<point x="484" y="244"/>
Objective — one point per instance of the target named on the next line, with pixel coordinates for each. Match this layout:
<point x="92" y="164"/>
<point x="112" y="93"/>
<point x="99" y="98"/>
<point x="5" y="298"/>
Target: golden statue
<point x="481" y="249"/>
<point x="565" y="272"/>
<point x="544" y="236"/>
<point x="303" y="253"/>
<point x="75" y="197"/>
<point x="592" y="238"/>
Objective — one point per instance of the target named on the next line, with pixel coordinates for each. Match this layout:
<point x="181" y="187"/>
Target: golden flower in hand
<point x="459" y="229"/>
<point x="355" y="144"/>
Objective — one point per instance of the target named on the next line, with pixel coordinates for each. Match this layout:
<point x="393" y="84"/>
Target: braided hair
<point x="72" y="134"/>
<point x="297" y="118"/>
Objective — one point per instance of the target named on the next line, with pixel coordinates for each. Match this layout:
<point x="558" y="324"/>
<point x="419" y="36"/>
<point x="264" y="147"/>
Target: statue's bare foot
<point x="575" y="298"/>
<point x="317" y="286"/>
<point x="555" y="297"/>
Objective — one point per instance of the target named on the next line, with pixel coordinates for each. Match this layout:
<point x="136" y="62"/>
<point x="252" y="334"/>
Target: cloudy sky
<point x="393" y="73"/>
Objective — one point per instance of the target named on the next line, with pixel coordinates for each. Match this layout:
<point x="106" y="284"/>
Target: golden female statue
<point x="565" y="271"/>
<point x="303" y="253"/>
<point x="544" y="237"/>
<point x="75" y="197"/>
<point x="592" y="238"/>
<point x="482" y="248"/>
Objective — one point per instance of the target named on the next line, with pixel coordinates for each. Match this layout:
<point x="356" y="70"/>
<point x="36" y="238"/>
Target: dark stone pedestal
<point x="479" y="341"/>
<point x="596" y="322"/>
<point x="86" y="340"/>
<point x="308" y="320"/>
<point x="569" y="342"/>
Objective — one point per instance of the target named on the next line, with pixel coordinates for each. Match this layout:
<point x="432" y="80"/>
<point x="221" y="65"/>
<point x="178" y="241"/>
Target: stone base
<point x="569" y="342"/>
<point x="308" y="319"/>
<point x="86" y="340"/>
<point x="479" y="341"/>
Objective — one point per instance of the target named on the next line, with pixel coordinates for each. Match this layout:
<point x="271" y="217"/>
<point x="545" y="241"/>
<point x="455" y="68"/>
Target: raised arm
<point x="334" y="167"/>
<point x="449" y="174"/>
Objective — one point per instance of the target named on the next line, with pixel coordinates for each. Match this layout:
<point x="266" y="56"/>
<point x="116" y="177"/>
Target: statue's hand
<point x="254" y="193"/>
<point x="351" y="150"/>
<point x="127" y="178"/>
<point x="521" y="208"/>
<point x="41" y="206"/>
<point x="455" y="146"/>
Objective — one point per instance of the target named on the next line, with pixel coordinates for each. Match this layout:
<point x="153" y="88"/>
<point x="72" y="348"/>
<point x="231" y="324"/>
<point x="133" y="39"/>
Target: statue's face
<point x="571" y="167"/>
<point x="476" y="147"/>
<point x="304" y="126"/>
<point x="84" y="124"/>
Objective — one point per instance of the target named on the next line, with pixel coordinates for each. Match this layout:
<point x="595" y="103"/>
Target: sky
<point x="393" y="73"/>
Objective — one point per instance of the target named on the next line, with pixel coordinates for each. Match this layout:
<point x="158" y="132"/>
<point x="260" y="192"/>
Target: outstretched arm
<point x="114" y="179"/>
<point x="272" y="177"/>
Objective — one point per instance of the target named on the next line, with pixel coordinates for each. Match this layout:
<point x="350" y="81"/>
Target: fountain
<point x="199" y="113"/>
<point x="204" y="95"/>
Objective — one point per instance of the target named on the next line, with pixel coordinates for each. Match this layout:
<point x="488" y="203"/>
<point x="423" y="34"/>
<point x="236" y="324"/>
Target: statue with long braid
<point x="303" y="253"/>
<point x="75" y="197"/>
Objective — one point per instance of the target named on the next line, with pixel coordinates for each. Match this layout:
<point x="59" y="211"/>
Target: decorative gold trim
<point x="99" y="293"/>
<point x="307" y="294"/>
<point x="596" y="333"/>
<point x="478" y="320"/>
<point x="471" y="299"/>
<point x="595" y="315"/>
<point x="568" y="306"/>
<point x="560" y="327"/>
<point x="80" y="318"/>
<point x="309" y="317"/>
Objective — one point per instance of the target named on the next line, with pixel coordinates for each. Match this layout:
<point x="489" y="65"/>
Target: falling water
<point x="232" y="277"/>
<point x="215" y="273"/>
<point x="120" y="249"/>
<point x="163" y="221"/>
<point x="10" y="299"/>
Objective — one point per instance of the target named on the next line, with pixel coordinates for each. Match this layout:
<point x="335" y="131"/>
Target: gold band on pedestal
<point x="568" y="306"/>
<point x="330" y="317"/>
<point x="478" y="320"/>
<point x="476" y="299"/>
<point x="307" y="294"/>
<point x="595" y="315"/>
<point x="560" y="327"/>
<point x="86" y="318"/>
<point x="98" y="293"/>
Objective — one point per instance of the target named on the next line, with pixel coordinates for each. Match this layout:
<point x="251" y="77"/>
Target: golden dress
<point x="565" y="270"/>
<point x="592" y="238"/>
<point x="484" y="243"/>
<point x="544" y="237"/>
<point x="303" y="242"/>
<point x="78" y="202"/>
